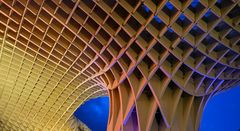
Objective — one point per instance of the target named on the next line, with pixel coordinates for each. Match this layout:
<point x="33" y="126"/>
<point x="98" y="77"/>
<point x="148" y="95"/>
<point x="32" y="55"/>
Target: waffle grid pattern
<point x="160" y="60"/>
<point x="76" y="125"/>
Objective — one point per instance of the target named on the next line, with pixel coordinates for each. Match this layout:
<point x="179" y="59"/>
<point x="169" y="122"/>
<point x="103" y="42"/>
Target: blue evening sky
<point x="94" y="113"/>
<point x="222" y="112"/>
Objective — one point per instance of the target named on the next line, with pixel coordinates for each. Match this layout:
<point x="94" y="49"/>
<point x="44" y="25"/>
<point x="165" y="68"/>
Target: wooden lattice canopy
<point x="158" y="60"/>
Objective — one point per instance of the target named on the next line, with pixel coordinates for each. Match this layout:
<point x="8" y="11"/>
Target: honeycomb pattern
<point x="159" y="61"/>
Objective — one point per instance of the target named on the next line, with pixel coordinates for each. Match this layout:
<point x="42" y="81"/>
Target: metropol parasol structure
<point x="158" y="61"/>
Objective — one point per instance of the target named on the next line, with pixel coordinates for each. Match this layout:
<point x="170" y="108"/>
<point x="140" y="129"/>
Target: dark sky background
<point x="94" y="113"/>
<point x="222" y="112"/>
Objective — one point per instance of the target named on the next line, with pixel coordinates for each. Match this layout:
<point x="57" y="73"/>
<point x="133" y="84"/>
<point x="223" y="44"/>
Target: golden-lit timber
<point x="158" y="61"/>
